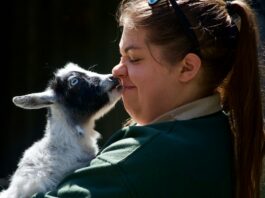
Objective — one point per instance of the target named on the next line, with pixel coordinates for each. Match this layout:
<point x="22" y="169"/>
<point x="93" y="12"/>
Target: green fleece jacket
<point x="179" y="159"/>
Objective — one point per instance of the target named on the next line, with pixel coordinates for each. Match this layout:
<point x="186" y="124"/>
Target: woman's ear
<point x="190" y="67"/>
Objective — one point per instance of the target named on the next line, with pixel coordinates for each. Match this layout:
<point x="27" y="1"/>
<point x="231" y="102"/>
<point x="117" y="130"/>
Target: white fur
<point x="60" y="151"/>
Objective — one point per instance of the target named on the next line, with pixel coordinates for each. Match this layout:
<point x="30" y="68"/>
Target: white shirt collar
<point x="202" y="107"/>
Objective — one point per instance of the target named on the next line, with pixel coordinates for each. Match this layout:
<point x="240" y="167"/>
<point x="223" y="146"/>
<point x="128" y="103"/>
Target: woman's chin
<point x="130" y="105"/>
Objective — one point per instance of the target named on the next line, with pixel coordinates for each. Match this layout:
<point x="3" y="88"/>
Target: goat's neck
<point x="59" y="129"/>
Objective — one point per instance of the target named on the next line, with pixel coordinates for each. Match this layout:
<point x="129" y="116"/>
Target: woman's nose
<point x="120" y="70"/>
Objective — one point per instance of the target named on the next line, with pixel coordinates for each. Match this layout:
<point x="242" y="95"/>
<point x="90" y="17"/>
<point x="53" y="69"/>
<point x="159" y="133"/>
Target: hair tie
<point x="233" y="30"/>
<point x="229" y="7"/>
<point x="228" y="4"/>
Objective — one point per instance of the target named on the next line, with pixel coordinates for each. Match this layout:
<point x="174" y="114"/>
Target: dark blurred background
<point x="39" y="36"/>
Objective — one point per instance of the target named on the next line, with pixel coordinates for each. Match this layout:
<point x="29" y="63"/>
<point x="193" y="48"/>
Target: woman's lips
<point x="128" y="87"/>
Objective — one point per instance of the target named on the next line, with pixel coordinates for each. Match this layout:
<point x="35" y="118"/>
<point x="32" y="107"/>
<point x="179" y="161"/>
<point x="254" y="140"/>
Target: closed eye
<point x="135" y="60"/>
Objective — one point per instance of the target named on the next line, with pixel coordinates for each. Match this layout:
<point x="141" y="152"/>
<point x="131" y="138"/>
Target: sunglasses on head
<point x="184" y="23"/>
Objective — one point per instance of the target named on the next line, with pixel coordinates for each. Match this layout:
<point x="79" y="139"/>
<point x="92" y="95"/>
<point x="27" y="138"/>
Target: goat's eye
<point x="73" y="81"/>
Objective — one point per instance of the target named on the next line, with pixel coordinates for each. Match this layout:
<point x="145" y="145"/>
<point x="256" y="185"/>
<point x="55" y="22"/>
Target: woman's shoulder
<point x="196" y="135"/>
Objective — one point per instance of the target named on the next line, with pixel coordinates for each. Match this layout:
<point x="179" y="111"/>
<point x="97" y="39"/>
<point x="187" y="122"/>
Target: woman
<point x="191" y="84"/>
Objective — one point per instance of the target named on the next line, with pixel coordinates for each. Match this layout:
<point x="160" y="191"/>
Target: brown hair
<point x="230" y="65"/>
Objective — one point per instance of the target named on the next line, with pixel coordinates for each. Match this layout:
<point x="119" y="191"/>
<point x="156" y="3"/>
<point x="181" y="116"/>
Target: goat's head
<point x="77" y="92"/>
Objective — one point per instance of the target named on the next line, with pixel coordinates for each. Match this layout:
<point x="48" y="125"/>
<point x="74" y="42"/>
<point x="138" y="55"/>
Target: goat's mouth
<point x="116" y="84"/>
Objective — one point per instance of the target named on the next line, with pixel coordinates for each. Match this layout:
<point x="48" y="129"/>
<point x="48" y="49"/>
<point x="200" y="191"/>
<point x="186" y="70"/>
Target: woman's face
<point x="150" y="85"/>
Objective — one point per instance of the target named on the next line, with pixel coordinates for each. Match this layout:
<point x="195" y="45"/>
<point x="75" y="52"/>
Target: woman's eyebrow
<point x="131" y="47"/>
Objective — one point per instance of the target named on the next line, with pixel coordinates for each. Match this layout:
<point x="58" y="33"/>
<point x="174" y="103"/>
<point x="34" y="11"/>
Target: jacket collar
<point x="202" y="107"/>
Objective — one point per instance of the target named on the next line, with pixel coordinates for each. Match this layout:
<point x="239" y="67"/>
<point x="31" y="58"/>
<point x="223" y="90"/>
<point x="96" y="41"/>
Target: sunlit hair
<point x="229" y="64"/>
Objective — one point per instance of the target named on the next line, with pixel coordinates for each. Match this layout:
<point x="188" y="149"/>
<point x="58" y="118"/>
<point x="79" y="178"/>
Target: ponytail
<point x="242" y="96"/>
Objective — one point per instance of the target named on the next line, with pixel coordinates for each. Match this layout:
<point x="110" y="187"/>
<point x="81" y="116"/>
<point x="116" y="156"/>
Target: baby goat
<point x="75" y="98"/>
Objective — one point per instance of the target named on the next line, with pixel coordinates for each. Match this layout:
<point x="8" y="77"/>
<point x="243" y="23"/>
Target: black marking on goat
<point x="82" y="100"/>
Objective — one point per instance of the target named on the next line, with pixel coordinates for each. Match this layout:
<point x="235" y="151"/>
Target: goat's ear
<point x="35" y="100"/>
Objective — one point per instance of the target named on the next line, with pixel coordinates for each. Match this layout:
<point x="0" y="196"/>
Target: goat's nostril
<point x="115" y="80"/>
<point x="111" y="78"/>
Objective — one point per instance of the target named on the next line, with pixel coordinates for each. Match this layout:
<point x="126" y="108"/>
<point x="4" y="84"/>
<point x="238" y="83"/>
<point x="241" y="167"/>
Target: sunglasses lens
<point x="152" y="2"/>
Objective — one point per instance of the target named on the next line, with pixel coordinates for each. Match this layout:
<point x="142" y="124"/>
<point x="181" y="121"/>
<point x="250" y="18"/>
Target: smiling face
<point x="150" y="84"/>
